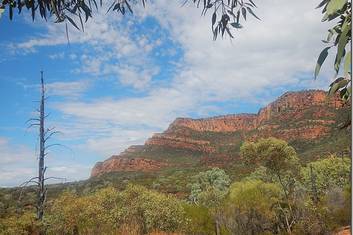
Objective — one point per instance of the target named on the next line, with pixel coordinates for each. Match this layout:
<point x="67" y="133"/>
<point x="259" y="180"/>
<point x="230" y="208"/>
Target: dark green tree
<point x="338" y="39"/>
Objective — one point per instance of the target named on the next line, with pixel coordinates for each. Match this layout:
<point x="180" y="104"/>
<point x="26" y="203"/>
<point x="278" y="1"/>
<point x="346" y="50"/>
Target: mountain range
<point x="308" y="120"/>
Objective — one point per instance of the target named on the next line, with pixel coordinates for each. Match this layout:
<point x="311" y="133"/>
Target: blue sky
<point x="124" y="79"/>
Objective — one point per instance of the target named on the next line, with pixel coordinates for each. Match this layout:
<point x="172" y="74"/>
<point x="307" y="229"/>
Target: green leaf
<point x="349" y="90"/>
<point x="344" y="94"/>
<point x="243" y="12"/>
<point x="320" y="60"/>
<point x="252" y="3"/>
<point x="329" y="36"/>
<point x="252" y="13"/>
<point x="337" y="80"/>
<point x="214" y="16"/>
<point x="10" y="12"/>
<point x="236" y="25"/>
<point x="129" y="7"/>
<point x="82" y="27"/>
<point x="348" y="63"/>
<point x="72" y="22"/>
<point x="338" y="84"/>
<point x="322" y="3"/>
<point x="342" y="42"/>
<point x="334" y="5"/>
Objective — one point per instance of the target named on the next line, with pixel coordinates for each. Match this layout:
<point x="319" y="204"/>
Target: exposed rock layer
<point x="273" y="120"/>
<point x="117" y="163"/>
<point x="305" y="115"/>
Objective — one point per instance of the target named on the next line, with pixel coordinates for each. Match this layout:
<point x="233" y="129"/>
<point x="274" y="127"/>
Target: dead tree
<point x="44" y="135"/>
<point x="41" y="167"/>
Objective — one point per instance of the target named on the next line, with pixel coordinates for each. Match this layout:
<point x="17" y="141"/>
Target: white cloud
<point x="138" y="79"/>
<point x="18" y="164"/>
<point x="56" y="56"/>
<point x="68" y="89"/>
<point x="277" y="53"/>
<point x="265" y="56"/>
<point x="112" y="49"/>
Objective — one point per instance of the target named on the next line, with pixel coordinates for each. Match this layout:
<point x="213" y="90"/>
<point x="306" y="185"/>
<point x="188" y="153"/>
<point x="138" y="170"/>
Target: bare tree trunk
<point x="41" y="168"/>
<point x="44" y="135"/>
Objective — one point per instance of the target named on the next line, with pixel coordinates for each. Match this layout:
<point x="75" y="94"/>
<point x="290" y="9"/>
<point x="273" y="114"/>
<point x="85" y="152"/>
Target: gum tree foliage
<point x="210" y="187"/>
<point x="226" y="14"/>
<point x="251" y="207"/>
<point x="339" y="40"/>
<point x="275" y="156"/>
<point x="209" y="190"/>
<point x="199" y="220"/>
<point x="136" y="210"/>
<point x="23" y="224"/>
<point x="329" y="173"/>
<point x="281" y="162"/>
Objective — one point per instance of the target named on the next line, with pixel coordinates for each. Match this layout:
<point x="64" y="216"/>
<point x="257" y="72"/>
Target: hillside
<point x="168" y="161"/>
<point x="308" y="120"/>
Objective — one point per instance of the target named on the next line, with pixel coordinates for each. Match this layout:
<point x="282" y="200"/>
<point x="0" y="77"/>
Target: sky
<point x="127" y="77"/>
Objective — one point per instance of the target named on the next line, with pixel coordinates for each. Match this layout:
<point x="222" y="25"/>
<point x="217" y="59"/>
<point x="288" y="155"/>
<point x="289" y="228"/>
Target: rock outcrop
<point x="286" y="118"/>
<point x="118" y="163"/>
<point x="304" y="116"/>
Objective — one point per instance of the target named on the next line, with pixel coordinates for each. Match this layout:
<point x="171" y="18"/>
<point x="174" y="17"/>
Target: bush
<point x="251" y="207"/>
<point x="108" y="210"/>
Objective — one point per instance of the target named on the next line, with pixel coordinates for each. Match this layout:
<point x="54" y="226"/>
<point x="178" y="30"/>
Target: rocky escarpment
<point x="307" y="116"/>
<point x="118" y="163"/>
<point x="302" y="115"/>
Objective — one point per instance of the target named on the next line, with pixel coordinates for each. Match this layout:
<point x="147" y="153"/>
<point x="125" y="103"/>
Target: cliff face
<point x="295" y="116"/>
<point x="117" y="163"/>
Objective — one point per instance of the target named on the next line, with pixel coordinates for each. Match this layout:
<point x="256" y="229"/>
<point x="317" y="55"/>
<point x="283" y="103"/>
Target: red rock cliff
<point x="291" y="106"/>
<point x="118" y="163"/>
<point x="305" y="115"/>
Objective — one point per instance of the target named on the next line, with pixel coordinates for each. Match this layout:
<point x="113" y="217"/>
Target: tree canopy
<point x="210" y="187"/>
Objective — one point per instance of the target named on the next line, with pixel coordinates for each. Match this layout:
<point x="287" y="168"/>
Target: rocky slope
<point x="115" y="163"/>
<point x="306" y="119"/>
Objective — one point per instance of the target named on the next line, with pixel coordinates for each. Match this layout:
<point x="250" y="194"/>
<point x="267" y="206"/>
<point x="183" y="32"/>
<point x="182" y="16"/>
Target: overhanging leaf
<point x="337" y="80"/>
<point x="252" y="13"/>
<point x="322" y="3"/>
<point x="348" y="63"/>
<point x="338" y="85"/>
<point x="236" y="25"/>
<point x="72" y="22"/>
<point x="320" y="60"/>
<point x="243" y="12"/>
<point x="329" y="36"/>
<point x="252" y="3"/>
<point x="334" y="5"/>
<point x="342" y="42"/>
<point x="344" y="94"/>
<point x="214" y="16"/>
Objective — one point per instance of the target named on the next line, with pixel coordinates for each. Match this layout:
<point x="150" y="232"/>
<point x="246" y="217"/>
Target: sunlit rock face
<point x="294" y="116"/>
<point x="118" y="163"/>
<point x="290" y="108"/>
